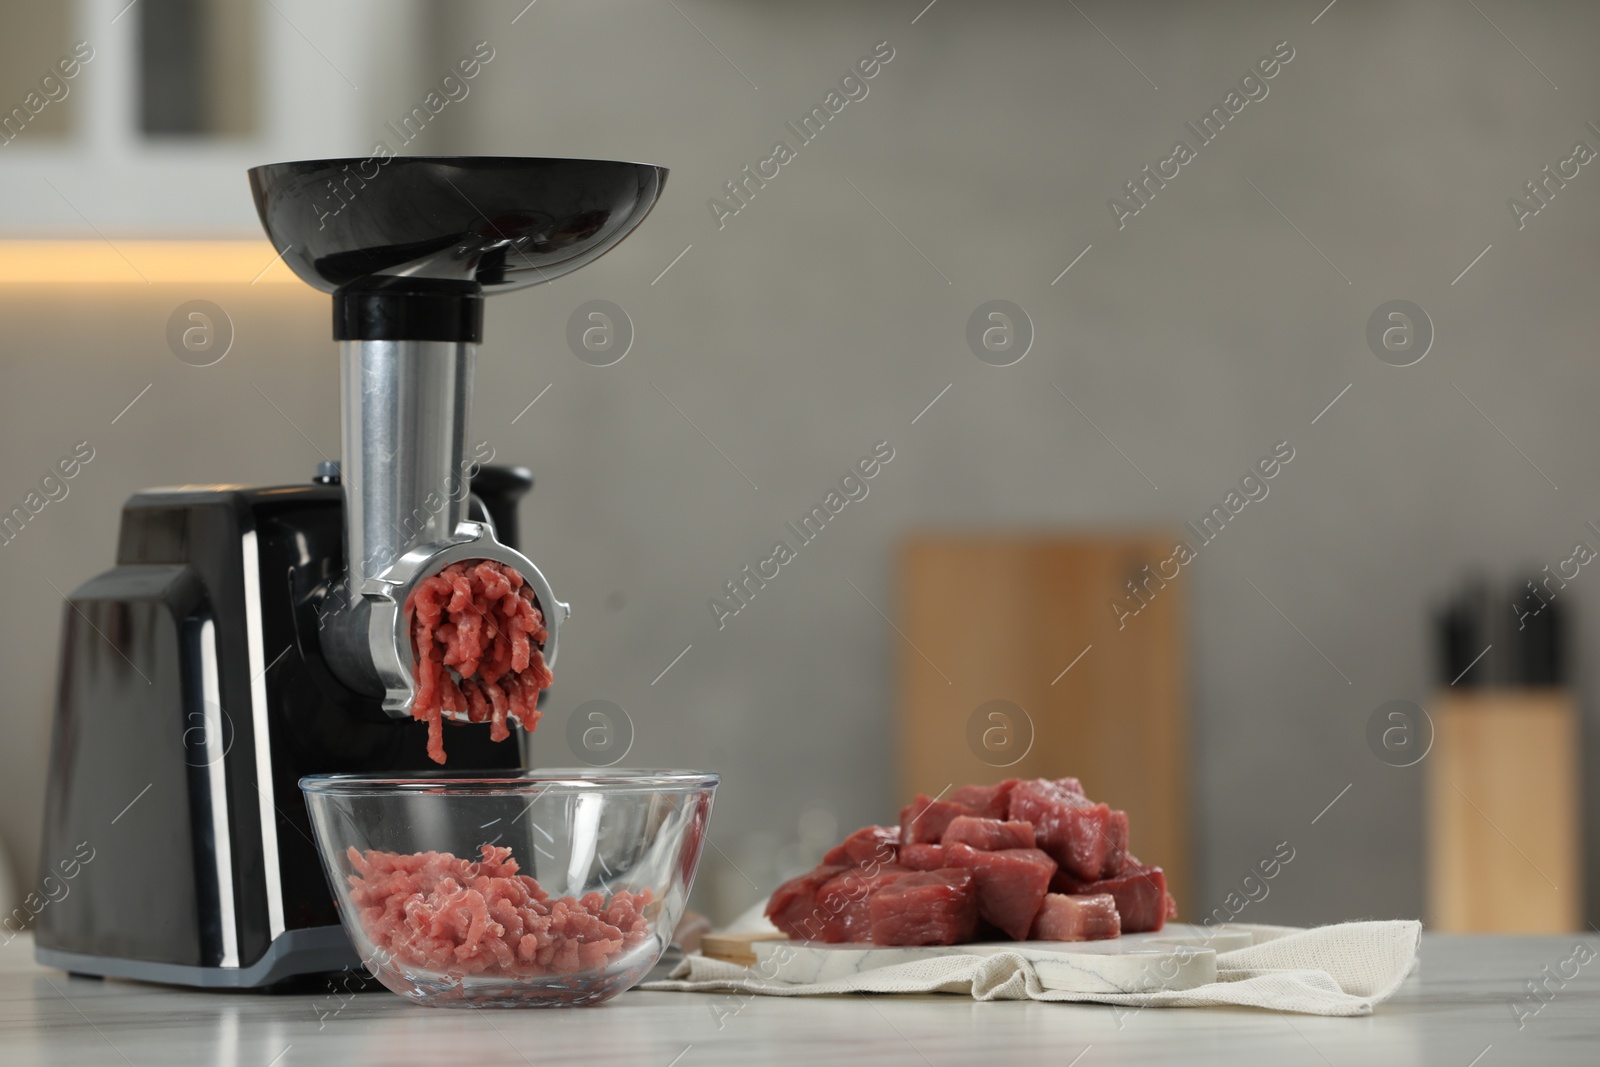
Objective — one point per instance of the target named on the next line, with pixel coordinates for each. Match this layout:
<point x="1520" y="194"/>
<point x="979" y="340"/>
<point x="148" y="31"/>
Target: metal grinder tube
<point x="406" y="479"/>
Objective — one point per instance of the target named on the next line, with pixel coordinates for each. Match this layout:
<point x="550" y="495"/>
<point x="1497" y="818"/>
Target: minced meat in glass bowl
<point x="520" y="889"/>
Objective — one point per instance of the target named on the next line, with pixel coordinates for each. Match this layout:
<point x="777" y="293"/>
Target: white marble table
<point x="1454" y="1012"/>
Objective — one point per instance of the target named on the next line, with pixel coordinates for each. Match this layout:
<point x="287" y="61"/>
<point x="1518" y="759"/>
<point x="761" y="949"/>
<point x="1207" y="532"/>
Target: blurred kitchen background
<point x="773" y="348"/>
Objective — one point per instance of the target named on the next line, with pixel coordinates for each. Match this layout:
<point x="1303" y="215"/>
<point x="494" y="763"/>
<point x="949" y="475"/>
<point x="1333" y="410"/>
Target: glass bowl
<point x="516" y="889"/>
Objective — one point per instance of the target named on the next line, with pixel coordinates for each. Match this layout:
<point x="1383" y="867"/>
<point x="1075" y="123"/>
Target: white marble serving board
<point x="1178" y="957"/>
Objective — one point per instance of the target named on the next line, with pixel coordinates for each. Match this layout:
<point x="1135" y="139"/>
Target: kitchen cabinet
<point x="124" y="149"/>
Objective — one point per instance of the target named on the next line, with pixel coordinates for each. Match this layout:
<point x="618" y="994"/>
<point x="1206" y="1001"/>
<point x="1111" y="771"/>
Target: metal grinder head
<point x="409" y="246"/>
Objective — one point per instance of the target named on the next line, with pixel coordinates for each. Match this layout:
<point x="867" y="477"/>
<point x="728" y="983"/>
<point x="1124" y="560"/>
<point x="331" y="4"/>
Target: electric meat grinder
<point x="249" y="636"/>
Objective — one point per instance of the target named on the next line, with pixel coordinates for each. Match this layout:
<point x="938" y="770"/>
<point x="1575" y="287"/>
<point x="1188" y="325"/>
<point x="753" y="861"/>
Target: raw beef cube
<point x="1142" y="897"/>
<point x="846" y="903"/>
<point x="930" y="908"/>
<point x="922" y="857"/>
<point x="1064" y="884"/>
<point x="868" y="846"/>
<point x="1077" y="918"/>
<point x="793" y="907"/>
<point x="1140" y="892"/>
<point x="922" y="821"/>
<point x="990" y="801"/>
<point x="1071" y="785"/>
<point x="1085" y="838"/>
<point x="1116" y="835"/>
<point x="1032" y="794"/>
<point x="1011" y="884"/>
<point x="987" y="835"/>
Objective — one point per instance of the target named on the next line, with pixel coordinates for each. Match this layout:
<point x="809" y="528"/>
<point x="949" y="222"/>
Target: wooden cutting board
<point x="1178" y="957"/>
<point x="1027" y="620"/>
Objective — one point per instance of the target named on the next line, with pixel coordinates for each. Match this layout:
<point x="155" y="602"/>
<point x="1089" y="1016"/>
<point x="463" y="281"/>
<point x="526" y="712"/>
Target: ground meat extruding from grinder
<point x="438" y="911"/>
<point x="477" y="636"/>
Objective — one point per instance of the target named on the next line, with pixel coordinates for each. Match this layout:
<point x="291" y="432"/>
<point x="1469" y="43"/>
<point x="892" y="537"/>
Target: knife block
<point x="1503" y="812"/>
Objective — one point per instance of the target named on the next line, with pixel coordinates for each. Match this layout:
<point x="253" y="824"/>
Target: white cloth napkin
<point x="1327" y="970"/>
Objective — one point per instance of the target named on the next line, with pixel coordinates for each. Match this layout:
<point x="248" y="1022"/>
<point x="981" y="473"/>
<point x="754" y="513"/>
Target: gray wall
<point x="808" y="328"/>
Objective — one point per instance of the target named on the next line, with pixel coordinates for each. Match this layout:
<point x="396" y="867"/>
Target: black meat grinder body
<point x="249" y="636"/>
<point x="193" y="696"/>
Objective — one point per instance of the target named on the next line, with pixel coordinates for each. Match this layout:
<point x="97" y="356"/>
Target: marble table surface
<point x="1456" y="1011"/>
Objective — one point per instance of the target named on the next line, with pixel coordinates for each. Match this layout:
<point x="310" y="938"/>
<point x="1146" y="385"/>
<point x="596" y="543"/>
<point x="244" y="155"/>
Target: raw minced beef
<point x="477" y="636"/>
<point x="437" y="911"/>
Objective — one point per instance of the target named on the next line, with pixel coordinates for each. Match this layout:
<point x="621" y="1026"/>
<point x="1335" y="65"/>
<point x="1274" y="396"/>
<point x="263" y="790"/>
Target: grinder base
<point x="192" y="698"/>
